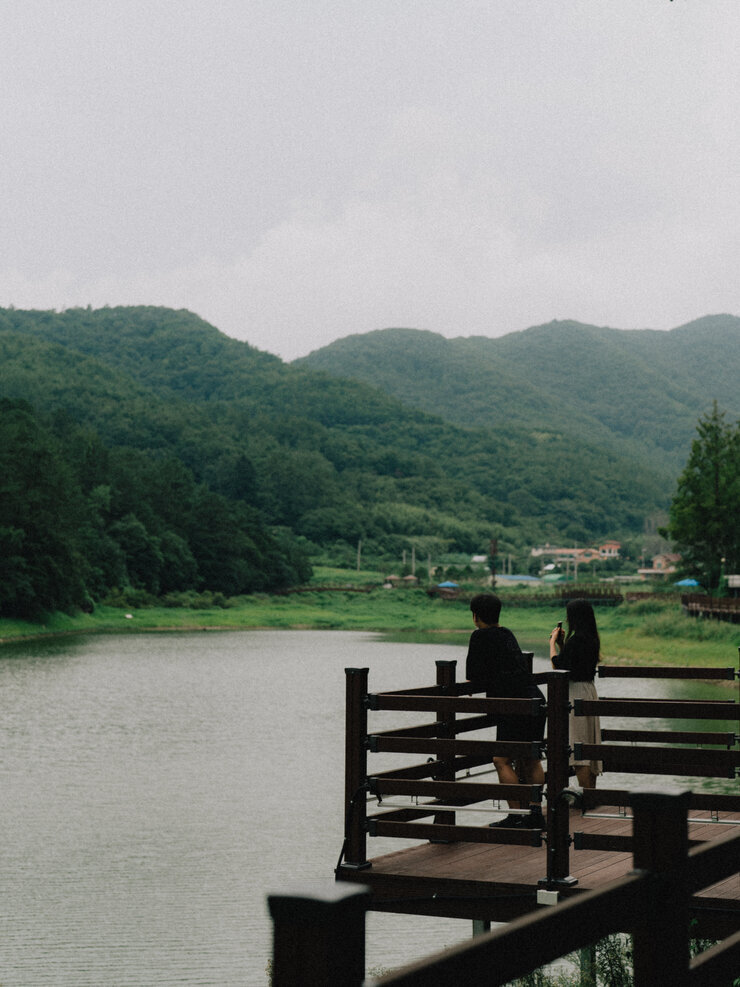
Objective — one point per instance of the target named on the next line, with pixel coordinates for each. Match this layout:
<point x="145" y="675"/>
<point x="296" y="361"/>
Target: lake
<point x="156" y="787"/>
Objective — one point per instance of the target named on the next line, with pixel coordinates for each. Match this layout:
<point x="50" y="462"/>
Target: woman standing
<point x="579" y="655"/>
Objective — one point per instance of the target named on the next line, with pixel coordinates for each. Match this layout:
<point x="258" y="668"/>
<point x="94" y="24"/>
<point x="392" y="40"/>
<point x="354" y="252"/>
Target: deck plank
<point x="499" y="881"/>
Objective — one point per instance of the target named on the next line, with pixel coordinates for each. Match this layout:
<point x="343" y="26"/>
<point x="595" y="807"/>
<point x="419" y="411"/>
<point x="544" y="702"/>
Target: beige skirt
<point x="584" y="729"/>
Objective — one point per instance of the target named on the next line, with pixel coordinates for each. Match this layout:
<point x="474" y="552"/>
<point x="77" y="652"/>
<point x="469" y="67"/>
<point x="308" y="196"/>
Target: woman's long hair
<point x="582" y="621"/>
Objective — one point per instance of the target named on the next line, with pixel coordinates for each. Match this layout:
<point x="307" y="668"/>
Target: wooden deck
<point x="499" y="882"/>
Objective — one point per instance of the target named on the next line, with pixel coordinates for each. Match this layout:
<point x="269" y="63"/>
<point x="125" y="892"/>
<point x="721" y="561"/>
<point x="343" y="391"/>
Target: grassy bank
<point x="648" y="632"/>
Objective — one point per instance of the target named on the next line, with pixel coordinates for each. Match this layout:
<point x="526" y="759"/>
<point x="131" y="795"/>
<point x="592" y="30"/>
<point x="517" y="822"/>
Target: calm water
<point x="155" y="788"/>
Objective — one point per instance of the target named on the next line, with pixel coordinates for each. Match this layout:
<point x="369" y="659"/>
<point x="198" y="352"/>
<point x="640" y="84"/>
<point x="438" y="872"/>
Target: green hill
<point x="315" y="460"/>
<point x="636" y="393"/>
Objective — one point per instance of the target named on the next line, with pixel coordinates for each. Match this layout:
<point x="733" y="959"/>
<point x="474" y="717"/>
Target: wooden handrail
<point x="473" y="791"/>
<point x="443" y="747"/>
<point x="594" y="798"/>
<point x="669" y="737"/>
<point x="662" y="672"/>
<point x="643" y="760"/>
<point x="682" y="709"/>
<point x="411" y="702"/>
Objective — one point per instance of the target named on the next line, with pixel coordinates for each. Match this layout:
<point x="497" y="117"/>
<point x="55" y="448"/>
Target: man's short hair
<point x="487" y="607"/>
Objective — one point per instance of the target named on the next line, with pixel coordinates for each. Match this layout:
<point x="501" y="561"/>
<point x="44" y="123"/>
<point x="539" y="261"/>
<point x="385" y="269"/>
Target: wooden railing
<point x="701" y="605"/>
<point x="319" y="937"/>
<point x="446" y="756"/>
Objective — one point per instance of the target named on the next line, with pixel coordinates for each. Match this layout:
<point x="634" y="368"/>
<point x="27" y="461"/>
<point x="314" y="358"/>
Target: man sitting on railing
<point x="495" y="663"/>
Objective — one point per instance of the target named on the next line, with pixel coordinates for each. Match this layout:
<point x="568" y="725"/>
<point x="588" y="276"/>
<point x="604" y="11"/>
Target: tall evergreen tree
<point x="704" y="516"/>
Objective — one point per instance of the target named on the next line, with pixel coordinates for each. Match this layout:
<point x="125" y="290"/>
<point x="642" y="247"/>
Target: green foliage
<point x="80" y="521"/>
<point x="195" y="461"/>
<point x="637" y="393"/>
<point x="41" y="508"/>
<point x="704" y="517"/>
<point x="313" y="453"/>
<point x="612" y="968"/>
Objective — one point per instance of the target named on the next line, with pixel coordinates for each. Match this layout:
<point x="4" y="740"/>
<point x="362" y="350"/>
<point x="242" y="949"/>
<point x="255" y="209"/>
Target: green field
<point x="648" y="632"/>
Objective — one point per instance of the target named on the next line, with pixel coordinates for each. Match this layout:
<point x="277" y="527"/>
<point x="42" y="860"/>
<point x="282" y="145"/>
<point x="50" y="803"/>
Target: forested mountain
<point x="638" y="393"/>
<point x="195" y="459"/>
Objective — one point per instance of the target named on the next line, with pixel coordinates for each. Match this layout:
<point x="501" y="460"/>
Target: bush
<point x="129" y="598"/>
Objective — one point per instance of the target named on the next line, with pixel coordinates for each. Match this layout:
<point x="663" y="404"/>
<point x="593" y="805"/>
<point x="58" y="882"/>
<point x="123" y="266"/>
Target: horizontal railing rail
<point x="703" y="762"/>
<point x="451" y="704"/>
<point x="669" y="709"/>
<point x="697" y="738"/>
<point x="595" y="798"/>
<point x="663" y="672"/>
<point x="445" y="748"/>
<point x="473" y="791"/>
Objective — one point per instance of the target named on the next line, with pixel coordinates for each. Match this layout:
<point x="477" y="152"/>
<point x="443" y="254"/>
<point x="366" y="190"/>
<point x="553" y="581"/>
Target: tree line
<point x="79" y="519"/>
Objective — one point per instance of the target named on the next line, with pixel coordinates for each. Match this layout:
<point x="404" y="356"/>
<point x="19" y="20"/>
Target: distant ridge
<point x="329" y="459"/>
<point x="638" y="392"/>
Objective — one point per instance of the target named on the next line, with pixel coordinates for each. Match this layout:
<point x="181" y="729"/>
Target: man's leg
<point x="586" y="777"/>
<point x="507" y="776"/>
<point x="534" y="774"/>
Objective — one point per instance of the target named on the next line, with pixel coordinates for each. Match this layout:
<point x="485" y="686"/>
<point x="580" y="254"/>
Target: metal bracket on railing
<point x="371" y="701"/>
<point x="371" y="743"/>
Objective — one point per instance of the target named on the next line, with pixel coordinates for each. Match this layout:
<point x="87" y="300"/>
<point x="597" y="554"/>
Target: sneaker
<point x="535" y="820"/>
<point x="508" y="822"/>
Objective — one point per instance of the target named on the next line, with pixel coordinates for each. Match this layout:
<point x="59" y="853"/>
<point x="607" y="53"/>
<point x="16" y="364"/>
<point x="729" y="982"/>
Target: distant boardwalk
<point x="716" y="607"/>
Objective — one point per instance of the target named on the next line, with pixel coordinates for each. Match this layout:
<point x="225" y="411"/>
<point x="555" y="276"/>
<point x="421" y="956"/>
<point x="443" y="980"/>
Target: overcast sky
<point x="295" y="171"/>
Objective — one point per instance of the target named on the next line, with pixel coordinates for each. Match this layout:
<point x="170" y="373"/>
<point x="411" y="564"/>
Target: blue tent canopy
<point x="687" y="582"/>
<point x="449" y="585"/>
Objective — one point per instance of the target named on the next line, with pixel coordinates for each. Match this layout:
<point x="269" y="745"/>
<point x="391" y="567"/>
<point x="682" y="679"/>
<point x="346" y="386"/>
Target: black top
<point x="579" y="656"/>
<point x="495" y="663"/>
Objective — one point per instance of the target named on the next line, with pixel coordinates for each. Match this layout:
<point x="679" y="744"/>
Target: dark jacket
<point x="495" y="663"/>
<point x="579" y="656"/>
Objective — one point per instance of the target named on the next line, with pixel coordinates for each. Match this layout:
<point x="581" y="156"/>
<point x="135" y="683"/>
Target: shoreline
<point x="639" y="634"/>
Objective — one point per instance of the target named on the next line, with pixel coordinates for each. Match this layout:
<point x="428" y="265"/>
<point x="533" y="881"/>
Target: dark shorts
<point x="521" y="727"/>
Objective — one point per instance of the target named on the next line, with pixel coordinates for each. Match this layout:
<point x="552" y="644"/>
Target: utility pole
<point x="492" y="553"/>
<point x="359" y="552"/>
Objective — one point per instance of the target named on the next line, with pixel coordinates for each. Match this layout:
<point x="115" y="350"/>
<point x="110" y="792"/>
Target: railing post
<point x="355" y="769"/>
<point x="446" y="678"/>
<point x="558" y="810"/>
<point x="319" y="937"/>
<point x="660" y="846"/>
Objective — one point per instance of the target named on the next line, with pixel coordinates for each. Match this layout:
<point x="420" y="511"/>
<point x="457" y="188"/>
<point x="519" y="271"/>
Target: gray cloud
<point x="296" y="173"/>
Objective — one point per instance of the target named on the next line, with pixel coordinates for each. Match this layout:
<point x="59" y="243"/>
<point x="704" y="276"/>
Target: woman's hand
<point x="556" y="637"/>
